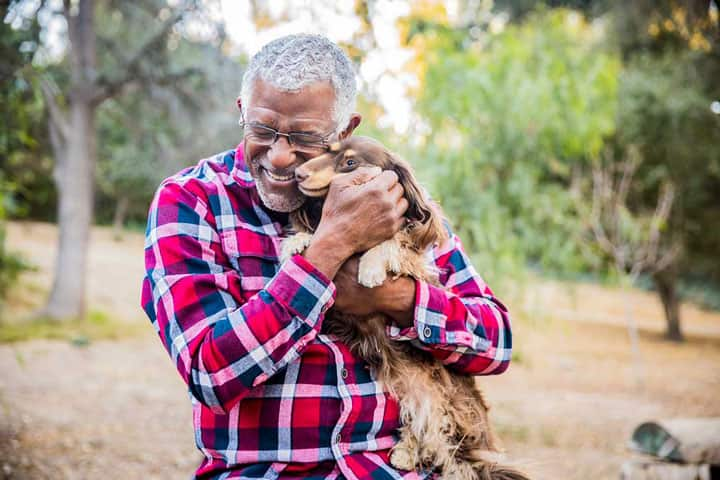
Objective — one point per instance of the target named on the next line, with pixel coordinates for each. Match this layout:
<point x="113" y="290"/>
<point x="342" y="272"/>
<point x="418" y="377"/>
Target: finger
<point x="385" y="181"/>
<point x="361" y="175"/>
<point x="401" y="208"/>
<point x="396" y="193"/>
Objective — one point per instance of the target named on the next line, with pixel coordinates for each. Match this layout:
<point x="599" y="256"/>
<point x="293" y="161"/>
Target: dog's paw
<point x="375" y="263"/>
<point x="394" y="264"/>
<point x="402" y="458"/>
<point x="295" y="244"/>
<point x="371" y="272"/>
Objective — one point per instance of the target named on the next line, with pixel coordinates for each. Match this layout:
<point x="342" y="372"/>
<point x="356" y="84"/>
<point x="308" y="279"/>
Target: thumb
<point x="361" y="175"/>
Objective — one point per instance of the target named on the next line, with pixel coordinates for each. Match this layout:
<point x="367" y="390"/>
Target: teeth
<point x="279" y="178"/>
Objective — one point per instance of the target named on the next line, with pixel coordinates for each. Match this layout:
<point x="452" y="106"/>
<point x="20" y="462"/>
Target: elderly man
<point x="272" y="396"/>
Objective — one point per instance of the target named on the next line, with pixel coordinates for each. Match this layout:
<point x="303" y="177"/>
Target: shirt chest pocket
<point x="253" y="255"/>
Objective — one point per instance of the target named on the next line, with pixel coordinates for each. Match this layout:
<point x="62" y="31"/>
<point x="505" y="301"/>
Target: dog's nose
<point x="301" y="175"/>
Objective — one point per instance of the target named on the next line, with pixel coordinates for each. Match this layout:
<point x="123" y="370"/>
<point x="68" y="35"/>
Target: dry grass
<point x="565" y="408"/>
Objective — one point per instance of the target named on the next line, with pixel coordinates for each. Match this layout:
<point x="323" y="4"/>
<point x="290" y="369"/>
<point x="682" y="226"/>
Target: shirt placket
<point x="340" y="442"/>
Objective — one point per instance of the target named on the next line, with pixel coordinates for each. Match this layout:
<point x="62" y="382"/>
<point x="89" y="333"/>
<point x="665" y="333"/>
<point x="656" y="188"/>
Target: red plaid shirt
<point x="273" y="397"/>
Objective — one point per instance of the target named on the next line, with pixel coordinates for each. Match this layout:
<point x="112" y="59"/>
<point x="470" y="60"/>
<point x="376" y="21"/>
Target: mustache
<point x="282" y="172"/>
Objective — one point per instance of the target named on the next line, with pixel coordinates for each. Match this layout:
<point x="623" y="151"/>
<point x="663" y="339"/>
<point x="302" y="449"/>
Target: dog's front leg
<point x="295" y="244"/>
<point x="405" y="454"/>
<point x="376" y="262"/>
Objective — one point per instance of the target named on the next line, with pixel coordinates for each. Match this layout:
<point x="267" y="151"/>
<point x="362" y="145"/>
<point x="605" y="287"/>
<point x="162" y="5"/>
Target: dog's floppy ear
<point x="424" y="222"/>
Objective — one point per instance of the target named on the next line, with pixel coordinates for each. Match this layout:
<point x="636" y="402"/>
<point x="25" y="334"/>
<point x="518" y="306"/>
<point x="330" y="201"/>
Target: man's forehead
<point x="269" y="115"/>
<point x="309" y="105"/>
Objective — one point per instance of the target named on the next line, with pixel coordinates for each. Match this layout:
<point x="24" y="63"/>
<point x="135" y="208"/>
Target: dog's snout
<point x="301" y="175"/>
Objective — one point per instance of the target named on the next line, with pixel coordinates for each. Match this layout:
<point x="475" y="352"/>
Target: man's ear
<point x="355" y="120"/>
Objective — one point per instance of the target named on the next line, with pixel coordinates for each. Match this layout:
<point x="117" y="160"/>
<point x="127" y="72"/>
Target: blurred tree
<point x="25" y="160"/>
<point x="542" y="122"/>
<point x="133" y="157"/>
<point x="21" y="123"/>
<point x="73" y="105"/>
<point x="508" y="118"/>
<point x="672" y="63"/>
<point x="519" y="9"/>
<point x="631" y="239"/>
<point x="147" y="135"/>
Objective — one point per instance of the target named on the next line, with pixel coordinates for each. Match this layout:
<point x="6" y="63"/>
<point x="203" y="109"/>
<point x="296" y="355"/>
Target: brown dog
<point x="444" y="416"/>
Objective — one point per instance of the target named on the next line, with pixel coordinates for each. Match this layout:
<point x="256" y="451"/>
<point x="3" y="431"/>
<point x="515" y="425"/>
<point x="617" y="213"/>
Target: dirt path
<point x="564" y="409"/>
<point x="110" y="410"/>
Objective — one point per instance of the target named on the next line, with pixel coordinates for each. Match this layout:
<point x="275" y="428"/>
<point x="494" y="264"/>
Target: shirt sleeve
<point x="222" y="345"/>
<point x="460" y="322"/>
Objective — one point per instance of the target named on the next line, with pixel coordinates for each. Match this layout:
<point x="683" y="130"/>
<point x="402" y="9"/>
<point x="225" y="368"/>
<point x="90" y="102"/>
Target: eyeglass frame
<point x="323" y="143"/>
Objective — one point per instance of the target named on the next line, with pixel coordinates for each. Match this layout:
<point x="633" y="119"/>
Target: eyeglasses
<point x="264" y="135"/>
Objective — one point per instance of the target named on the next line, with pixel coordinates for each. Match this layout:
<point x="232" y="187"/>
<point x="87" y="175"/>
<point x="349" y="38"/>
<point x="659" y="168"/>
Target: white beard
<point x="277" y="202"/>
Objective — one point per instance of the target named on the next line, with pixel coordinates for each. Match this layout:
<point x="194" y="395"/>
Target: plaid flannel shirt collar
<point x="240" y="170"/>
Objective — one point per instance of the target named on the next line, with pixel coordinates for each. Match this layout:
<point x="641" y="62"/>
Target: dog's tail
<point x="500" y="472"/>
<point x="487" y="466"/>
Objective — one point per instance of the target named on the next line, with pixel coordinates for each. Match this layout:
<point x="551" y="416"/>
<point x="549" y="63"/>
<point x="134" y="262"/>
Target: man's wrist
<point x="326" y="254"/>
<point x="397" y="300"/>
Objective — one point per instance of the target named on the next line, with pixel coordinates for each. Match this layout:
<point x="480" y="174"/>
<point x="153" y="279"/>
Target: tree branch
<point x="109" y="88"/>
<point x="57" y="118"/>
<point x="58" y="145"/>
<point x="632" y="253"/>
<point x="70" y="19"/>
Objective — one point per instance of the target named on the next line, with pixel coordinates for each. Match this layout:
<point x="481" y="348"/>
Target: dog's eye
<point x="350" y="162"/>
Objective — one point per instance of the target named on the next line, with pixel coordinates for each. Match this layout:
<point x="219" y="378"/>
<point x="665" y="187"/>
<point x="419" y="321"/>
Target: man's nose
<point x="281" y="155"/>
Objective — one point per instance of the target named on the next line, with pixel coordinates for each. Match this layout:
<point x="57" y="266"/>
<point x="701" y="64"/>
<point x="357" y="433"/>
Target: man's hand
<point x="361" y="210"/>
<point x="395" y="297"/>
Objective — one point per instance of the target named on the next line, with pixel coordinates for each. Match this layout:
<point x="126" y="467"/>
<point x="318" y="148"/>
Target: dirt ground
<point x="564" y="409"/>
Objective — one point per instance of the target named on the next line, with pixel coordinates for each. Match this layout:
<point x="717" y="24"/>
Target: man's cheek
<point x="253" y="157"/>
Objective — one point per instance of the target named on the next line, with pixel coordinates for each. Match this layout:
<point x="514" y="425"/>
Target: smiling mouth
<point x="279" y="178"/>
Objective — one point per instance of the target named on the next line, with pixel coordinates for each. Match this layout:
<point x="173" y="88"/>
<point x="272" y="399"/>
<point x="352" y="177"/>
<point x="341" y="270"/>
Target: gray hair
<point x="294" y="61"/>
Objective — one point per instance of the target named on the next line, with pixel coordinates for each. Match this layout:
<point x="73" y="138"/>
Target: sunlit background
<point x="574" y="146"/>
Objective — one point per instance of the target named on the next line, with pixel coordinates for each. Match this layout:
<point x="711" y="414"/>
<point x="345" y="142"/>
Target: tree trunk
<point x="75" y="166"/>
<point x="120" y="213"/>
<point x="666" y="283"/>
<point x="73" y="139"/>
<point x="74" y="180"/>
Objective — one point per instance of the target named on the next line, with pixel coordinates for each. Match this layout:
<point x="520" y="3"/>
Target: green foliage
<point x="518" y="9"/>
<point x="149" y="133"/>
<point x="146" y="136"/>
<point x="133" y="154"/>
<point x="665" y="110"/>
<point x="25" y="161"/>
<point x="510" y="119"/>
<point x="11" y="265"/>
<point x="178" y="108"/>
<point x="18" y="129"/>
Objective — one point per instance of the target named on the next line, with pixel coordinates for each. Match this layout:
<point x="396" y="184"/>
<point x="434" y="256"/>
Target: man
<point x="272" y="396"/>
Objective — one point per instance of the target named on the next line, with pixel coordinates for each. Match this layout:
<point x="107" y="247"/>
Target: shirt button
<point x="338" y="438"/>
<point x="427" y="332"/>
<point x="344" y="373"/>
